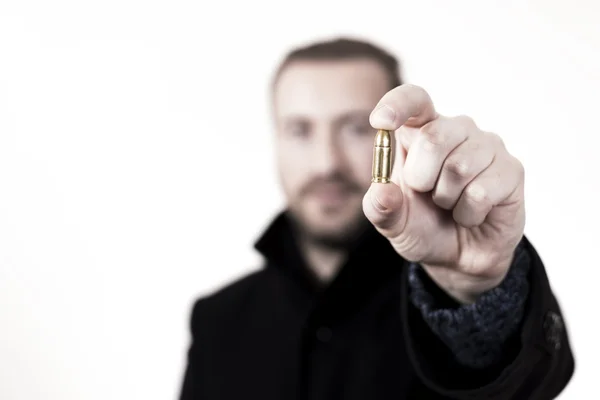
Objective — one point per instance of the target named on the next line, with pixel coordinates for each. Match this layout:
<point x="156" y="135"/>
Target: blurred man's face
<point x="325" y="143"/>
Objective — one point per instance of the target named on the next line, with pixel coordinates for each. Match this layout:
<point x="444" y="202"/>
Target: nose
<point x="327" y="156"/>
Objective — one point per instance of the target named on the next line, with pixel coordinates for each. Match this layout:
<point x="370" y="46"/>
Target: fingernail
<point x="383" y="116"/>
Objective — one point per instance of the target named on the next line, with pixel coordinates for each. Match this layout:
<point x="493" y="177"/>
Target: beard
<point x="332" y="227"/>
<point x="335" y="239"/>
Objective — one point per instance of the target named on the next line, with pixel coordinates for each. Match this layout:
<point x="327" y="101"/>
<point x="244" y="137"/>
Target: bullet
<point x="382" y="157"/>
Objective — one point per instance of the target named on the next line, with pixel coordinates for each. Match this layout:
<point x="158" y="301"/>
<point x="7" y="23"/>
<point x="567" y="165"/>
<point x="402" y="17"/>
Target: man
<point x="423" y="288"/>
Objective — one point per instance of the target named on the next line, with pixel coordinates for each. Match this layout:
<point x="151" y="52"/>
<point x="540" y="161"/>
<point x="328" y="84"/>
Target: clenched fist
<point x="456" y="201"/>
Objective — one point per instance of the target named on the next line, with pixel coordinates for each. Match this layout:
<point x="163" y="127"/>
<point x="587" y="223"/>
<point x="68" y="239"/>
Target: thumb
<point x="384" y="207"/>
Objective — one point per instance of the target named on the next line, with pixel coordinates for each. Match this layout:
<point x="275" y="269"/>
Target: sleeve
<point x="512" y="344"/>
<point x="478" y="333"/>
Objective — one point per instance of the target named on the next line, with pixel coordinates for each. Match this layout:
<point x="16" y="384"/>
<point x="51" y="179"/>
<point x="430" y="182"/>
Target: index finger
<point x="404" y="105"/>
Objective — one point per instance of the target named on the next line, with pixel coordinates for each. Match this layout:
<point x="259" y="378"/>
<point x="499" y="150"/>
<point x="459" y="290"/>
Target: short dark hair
<point x="344" y="48"/>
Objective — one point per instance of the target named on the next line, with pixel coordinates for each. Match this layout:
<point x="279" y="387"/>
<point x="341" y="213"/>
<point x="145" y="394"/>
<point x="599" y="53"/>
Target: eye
<point x="357" y="129"/>
<point x="298" y="129"/>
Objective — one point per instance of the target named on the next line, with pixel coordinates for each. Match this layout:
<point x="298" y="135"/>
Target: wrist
<point x="476" y="333"/>
<point x="467" y="288"/>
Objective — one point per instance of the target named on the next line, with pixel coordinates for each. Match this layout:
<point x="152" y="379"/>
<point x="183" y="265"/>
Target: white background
<point x="136" y="167"/>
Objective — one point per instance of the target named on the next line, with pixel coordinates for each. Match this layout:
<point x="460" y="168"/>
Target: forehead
<point x="325" y="88"/>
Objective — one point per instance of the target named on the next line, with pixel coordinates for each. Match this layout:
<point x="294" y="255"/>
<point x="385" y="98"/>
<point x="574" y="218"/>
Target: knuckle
<point x="413" y="87"/>
<point x="496" y="140"/>
<point x="465" y="121"/>
<point x="413" y="92"/>
<point x="465" y="126"/>
<point x="476" y="194"/>
<point x="433" y="137"/>
<point x="457" y="166"/>
<point x="402" y="96"/>
<point x="413" y="180"/>
<point x="461" y="126"/>
<point x="519" y="167"/>
<point x="473" y="146"/>
<point x="396" y="98"/>
<point x="443" y="200"/>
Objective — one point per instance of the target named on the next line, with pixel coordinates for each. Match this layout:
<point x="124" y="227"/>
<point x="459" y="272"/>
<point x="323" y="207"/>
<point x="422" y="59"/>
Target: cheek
<point x="292" y="167"/>
<point x="360" y="155"/>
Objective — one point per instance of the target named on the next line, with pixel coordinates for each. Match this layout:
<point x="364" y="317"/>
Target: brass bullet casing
<point x="382" y="157"/>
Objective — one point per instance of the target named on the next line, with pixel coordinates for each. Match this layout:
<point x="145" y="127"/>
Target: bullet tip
<point x="383" y="138"/>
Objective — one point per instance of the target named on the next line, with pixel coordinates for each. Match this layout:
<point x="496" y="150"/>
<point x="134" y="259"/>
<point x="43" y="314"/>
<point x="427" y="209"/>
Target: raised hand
<point x="455" y="202"/>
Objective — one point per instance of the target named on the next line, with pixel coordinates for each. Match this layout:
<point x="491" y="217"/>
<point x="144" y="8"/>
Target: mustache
<point x="345" y="182"/>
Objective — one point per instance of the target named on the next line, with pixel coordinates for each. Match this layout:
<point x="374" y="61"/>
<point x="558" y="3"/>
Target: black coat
<point x="274" y="335"/>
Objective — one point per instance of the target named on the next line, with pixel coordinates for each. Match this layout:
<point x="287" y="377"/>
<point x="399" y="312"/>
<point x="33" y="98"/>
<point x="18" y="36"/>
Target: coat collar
<point x="370" y="263"/>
